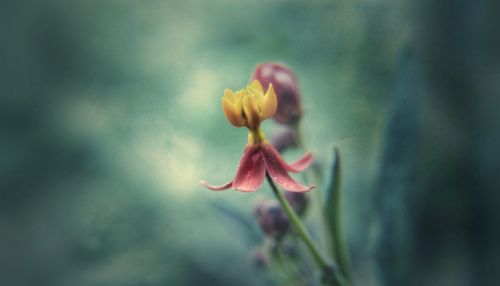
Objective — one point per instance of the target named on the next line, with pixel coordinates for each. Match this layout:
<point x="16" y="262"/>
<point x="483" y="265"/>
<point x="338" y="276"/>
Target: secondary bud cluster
<point x="259" y="258"/>
<point x="284" y="139"/>
<point x="272" y="219"/>
<point x="298" y="201"/>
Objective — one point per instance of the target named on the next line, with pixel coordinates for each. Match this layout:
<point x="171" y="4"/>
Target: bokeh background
<point x="110" y="115"/>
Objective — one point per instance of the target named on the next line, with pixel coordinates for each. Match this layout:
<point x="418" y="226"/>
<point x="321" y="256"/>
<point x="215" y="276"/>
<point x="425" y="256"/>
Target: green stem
<point x="327" y="269"/>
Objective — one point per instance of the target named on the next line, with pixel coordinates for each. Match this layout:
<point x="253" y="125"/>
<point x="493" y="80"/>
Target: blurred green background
<point x="110" y="115"/>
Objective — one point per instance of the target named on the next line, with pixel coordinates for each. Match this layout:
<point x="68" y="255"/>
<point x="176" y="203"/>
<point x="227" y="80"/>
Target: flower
<point x="259" y="258"/>
<point x="284" y="139"/>
<point x="298" y="201"/>
<point x="249" y="107"/>
<point x="272" y="219"/>
<point x="287" y="91"/>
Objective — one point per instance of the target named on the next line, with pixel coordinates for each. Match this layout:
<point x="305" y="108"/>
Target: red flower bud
<point x="286" y="88"/>
<point x="272" y="219"/>
<point x="259" y="259"/>
<point x="284" y="139"/>
<point x="298" y="201"/>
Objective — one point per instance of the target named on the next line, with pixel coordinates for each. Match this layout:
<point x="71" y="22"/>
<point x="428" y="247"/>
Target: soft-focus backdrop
<point x="110" y="115"/>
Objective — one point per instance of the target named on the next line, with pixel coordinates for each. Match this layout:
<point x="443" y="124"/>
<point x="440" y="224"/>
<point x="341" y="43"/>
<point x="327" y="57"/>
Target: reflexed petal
<point x="217" y="188"/>
<point x="251" y="110"/>
<point x="278" y="173"/>
<point x="301" y="164"/>
<point x="232" y="112"/>
<point x="251" y="170"/>
<point x="269" y="103"/>
<point x="296" y="167"/>
<point x="257" y="86"/>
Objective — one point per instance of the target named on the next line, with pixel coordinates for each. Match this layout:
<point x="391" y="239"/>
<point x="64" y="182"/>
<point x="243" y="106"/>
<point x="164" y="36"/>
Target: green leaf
<point x="333" y="217"/>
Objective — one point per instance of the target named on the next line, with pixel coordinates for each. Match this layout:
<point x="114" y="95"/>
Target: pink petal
<point x="296" y="167"/>
<point x="217" y="188"/>
<point x="251" y="170"/>
<point x="279" y="174"/>
<point x="301" y="164"/>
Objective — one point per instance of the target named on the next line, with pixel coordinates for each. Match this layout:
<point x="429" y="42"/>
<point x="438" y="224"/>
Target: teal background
<point x="110" y="114"/>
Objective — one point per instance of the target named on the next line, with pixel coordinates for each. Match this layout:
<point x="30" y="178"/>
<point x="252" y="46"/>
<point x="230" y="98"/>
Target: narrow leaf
<point x="333" y="217"/>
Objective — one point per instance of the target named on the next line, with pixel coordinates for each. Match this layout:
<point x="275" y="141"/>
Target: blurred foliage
<point x="110" y="115"/>
<point x="438" y="190"/>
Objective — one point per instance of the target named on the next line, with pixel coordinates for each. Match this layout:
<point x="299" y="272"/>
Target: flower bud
<point x="298" y="201"/>
<point x="259" y="258"/>
<point x="272" y="220"/>
<point x="284" y="139"/>
<point x="286" y="88"/>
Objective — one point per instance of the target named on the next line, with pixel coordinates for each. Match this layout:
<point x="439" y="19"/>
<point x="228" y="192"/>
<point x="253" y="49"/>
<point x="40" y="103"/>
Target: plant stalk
<point x="327" y="269"/>
<point x="334" y="241"/>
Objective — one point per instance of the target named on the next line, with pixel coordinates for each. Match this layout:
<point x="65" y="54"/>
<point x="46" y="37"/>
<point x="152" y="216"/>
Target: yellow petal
<point x="269" y="103"/>
<point x="233" y="112"/>
<point x="257" y="86"/>
<point x="251" y="109"/>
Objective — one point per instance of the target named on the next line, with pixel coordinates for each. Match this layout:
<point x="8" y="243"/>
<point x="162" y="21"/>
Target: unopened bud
<point x="298" y="201"/>
<point x="259" y="258"/>
<point x="272" y="220"/>
<point x="286" y="88"/>
<point x="284" y="139"/>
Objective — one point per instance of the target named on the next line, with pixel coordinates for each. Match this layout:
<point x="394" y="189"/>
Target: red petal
<point x="301" y="164"/>
<point x="296" y="167"/>
<point x="251" y="170"/>
<point x="279" y="174"/>
<point x="217" y="188"/>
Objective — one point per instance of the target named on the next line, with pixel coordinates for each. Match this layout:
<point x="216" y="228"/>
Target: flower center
<point x="249" y="107"/>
